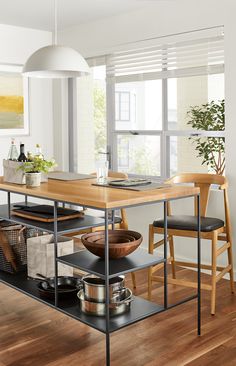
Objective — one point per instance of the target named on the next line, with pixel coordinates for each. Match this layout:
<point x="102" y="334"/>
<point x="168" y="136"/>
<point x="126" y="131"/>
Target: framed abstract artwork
<point x="14" y="104"/>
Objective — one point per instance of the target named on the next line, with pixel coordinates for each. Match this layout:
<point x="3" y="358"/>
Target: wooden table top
<point x="83" y="193"/>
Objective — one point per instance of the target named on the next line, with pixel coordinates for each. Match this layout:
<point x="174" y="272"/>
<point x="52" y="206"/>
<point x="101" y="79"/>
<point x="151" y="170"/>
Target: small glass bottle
<point x="13" y="152"/>
<point x="22" y="156"/>
<point x="39" y="153"/>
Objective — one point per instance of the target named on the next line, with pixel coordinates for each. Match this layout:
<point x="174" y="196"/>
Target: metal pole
<point x="165" y="257"/>
<point x="198" y="266"/>
<point x="113" y="219"/>
<point x="26" y="200"/>
<point x="107" y="289"/>
<point x="55" y="254"/>
<point x="9" y="204"/>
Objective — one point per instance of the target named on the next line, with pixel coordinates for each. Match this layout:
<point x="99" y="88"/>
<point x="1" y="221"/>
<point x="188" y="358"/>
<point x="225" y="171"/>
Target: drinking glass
<point x="102" y="171"/>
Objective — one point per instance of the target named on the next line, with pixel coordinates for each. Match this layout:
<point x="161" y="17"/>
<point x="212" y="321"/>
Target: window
<point x="139" y="154"/>
<point x="145" y="101"/>
<point x="150" y="90"/>
<point x="182" y="94"/>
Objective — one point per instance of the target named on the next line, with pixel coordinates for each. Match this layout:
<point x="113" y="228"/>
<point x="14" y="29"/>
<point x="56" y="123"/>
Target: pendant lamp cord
<point x="55" y="23"/>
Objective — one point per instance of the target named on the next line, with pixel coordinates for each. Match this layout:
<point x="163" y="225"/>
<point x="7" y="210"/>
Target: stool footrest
<point x="183" y="283"/>
<point x="222" y="273"/>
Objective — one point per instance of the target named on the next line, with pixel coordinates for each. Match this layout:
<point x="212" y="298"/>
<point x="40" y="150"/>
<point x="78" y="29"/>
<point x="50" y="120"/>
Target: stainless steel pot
<point x="99" y="309"/>
<point x="95" y="289"/>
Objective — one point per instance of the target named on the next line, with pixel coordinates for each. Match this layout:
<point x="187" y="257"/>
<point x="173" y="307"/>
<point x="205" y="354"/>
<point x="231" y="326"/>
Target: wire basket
<point x="13" y="248"/>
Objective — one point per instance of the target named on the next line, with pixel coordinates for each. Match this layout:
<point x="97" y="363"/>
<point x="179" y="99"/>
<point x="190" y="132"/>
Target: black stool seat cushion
<point x="186" y="222"/>
<point x="117" y="219"/>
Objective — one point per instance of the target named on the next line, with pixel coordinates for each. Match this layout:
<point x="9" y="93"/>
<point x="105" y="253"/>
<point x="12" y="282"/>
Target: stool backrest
<point x="112" y="174"/>
<point x="203" y="181"/>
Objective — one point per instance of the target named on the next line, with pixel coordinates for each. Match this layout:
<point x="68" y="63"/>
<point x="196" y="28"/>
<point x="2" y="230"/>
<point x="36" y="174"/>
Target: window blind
<point x="194" y="53"/>
<point x="96" y="61"/>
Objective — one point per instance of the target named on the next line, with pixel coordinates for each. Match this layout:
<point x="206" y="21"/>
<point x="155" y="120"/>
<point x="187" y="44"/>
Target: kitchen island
<point x="104" y="199"/>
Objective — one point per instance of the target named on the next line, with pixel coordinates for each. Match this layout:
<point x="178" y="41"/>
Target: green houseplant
<point x="209" y="117"/>
<point x="34" y="168"/>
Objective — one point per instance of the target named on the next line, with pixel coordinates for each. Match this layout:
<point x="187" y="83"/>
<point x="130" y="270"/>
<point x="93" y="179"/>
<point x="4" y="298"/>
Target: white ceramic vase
<point x="32" y="179"/>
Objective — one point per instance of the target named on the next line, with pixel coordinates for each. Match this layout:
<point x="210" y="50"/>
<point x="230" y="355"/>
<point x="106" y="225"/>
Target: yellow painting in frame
<point x="13" y="101"/>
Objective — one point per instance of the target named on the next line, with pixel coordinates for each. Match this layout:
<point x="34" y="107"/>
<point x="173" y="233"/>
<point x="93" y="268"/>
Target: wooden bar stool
<point x="212" y="229"/>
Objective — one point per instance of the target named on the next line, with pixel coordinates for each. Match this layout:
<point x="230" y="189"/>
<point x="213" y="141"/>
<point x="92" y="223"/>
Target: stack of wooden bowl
<point x="121" y="243"/>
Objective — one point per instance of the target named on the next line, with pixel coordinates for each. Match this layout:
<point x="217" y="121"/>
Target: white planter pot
<point x="32" y="179"/>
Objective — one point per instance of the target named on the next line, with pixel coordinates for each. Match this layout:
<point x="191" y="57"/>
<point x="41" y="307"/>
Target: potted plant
<point x="209" y="117"/>
<point x="34" y="168"/>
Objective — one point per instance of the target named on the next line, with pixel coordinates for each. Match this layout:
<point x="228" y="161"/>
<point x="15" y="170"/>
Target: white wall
<point x="159" y="19"/>
<point x="16" y="46"/>
<point x="18" y="43"/>
<point x="156" y="19"/>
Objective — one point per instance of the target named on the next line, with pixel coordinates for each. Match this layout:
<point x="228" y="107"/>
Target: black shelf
<point x="67" y="226"/>
<point x="90" y="263"/>
<point x="20" y="282"/>
<point x="140" y="308"/>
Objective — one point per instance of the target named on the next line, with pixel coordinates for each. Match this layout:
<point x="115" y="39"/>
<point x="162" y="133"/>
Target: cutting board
<point x="45" y="213"/>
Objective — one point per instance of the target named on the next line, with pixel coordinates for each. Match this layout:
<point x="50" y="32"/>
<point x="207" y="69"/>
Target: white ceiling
<point x="38" y="13"/>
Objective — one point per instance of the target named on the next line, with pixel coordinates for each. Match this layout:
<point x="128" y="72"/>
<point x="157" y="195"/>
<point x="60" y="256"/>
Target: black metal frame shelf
<point x="140" y="308"/>
<point x="68" y="226"/>
<point x="90" y="263"/>
<point x="21" y="283"/>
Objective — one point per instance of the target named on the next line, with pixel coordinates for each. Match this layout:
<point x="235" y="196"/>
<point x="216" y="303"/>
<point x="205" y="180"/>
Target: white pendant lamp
<point x="55" y="61"/>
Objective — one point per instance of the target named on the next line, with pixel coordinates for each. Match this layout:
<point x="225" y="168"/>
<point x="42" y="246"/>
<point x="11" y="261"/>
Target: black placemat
<point x="148" y="187"/>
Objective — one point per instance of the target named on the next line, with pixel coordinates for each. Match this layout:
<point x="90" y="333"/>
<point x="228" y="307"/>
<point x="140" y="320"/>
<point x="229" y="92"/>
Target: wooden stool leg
<point x="213" y="260"/>
<point x="230" y="256"/>
<point x="150" y="250"/>
<point x="172" y="254"/>
<point x="231" y="273"/>
<point x="133" y="279"/>
<point x="149" y="283"/>
<point x="229" y="238"/>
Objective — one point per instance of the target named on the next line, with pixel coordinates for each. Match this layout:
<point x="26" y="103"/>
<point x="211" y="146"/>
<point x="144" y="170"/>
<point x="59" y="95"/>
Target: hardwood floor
<point x="33" y="334"/>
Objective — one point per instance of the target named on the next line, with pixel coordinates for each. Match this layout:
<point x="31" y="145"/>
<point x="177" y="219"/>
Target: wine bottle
<point x="39" y="153"/>
<point x="22" y="156"/>
<point x="13" y="153"/>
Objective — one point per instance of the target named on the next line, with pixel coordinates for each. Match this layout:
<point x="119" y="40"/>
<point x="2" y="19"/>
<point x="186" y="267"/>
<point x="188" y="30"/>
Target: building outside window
<point x="122" y="100"/>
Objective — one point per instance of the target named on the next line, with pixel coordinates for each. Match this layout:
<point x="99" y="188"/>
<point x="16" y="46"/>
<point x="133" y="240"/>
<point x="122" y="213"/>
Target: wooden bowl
<point x="121" y="243"/>
<point x="113" y="238"/>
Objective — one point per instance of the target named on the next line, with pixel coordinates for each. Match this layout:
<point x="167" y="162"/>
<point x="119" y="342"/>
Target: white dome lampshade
<point x="55" y="62"/>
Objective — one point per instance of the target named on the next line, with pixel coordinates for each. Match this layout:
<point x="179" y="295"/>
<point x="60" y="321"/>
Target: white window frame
<point x="164" y="134"/>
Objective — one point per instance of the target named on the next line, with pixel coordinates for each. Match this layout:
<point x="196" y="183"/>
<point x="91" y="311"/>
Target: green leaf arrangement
<point x="209" y="117"/>
<point x="37" y="165"/>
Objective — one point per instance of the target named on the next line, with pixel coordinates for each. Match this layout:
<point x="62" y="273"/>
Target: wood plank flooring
<point x="33" y="334"/>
